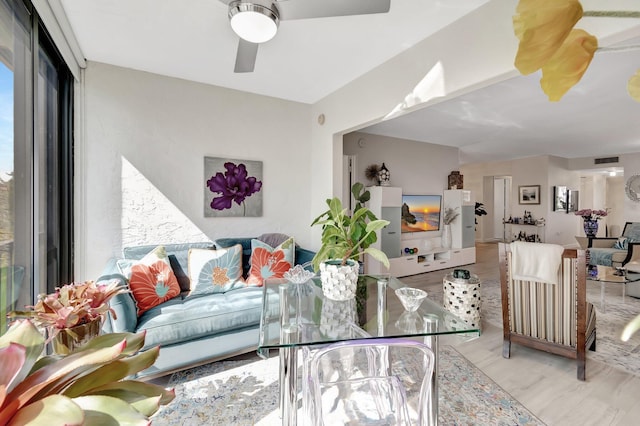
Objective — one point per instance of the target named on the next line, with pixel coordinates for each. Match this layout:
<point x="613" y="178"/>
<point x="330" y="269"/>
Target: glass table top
<point x="299" y="315"/>
<point x="613" y="275"/>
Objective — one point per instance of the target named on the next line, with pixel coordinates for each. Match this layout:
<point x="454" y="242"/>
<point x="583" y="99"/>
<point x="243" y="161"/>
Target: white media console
<point x="386" y="203"/>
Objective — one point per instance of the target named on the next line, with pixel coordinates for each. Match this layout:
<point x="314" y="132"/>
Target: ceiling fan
<point x="256" y="21"/>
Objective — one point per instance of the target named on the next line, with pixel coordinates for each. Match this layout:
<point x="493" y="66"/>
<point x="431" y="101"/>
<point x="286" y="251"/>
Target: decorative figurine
<point x="384" y="175"/>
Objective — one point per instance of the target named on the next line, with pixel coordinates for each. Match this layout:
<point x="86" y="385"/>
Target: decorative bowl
<point x="411" y="298"/>
<point x="298" y="274"/>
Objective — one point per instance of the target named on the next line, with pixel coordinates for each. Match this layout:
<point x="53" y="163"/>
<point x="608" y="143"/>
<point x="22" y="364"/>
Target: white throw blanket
<point x="536" y="261"/>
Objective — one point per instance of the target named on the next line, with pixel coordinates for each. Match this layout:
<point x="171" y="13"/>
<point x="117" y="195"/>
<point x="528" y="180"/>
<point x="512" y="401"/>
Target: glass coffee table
<point x="606" y="274"/>
<point x="297" y="315"/>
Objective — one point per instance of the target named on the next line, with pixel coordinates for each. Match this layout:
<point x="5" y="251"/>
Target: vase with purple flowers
<point x="590" y="220"/>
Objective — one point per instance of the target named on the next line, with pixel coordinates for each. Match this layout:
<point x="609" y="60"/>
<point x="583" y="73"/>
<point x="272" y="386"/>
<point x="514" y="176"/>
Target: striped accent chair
<point x="555" y="318"/>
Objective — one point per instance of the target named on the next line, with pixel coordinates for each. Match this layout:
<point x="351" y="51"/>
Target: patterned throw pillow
<point x="622" y="243"/>
<point x="151" y="279"/>
<point x="215" y="271"/>
<point x="269" y="262"/>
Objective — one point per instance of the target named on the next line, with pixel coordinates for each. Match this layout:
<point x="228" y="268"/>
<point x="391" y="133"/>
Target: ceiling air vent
<point x="606" y="160"/>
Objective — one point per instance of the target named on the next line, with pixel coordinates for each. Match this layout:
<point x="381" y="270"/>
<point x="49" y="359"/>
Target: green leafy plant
<point x="88" y="386"/>
<point x="479" y="211"/>
<point x="348" y="237"/>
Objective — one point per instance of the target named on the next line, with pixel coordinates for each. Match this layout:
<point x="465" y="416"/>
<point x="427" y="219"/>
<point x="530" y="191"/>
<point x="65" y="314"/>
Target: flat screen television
<point x="421" y="213"/>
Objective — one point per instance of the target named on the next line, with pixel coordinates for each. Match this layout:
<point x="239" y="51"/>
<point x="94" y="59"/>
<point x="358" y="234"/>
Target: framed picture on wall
<point x="560" y="198"/>
<point x="529" y="194"/>
<point x="232" y="188"/>
<point x="572" y="203"/>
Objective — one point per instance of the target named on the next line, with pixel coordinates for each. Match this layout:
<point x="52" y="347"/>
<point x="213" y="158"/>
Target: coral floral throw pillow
<point x="151" y="279"/>
<point x="269" y="262"/>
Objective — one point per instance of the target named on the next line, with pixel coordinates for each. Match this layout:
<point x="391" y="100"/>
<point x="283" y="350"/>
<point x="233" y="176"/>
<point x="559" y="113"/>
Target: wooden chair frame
<point x="583" y="309"/>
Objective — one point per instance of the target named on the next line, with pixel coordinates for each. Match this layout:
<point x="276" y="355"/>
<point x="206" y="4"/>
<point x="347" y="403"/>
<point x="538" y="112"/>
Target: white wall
<point x="593" y="193"/>
<point x="479" y="178"/>
<point x="544" y="171"/>
<point x="145" y="140"/>
<point x="615" y="203"/>
<point x="562" y="227"/>
<point x="631" y="164"/>
<point x="596" y="192"/>
<point x="416" y="167"/>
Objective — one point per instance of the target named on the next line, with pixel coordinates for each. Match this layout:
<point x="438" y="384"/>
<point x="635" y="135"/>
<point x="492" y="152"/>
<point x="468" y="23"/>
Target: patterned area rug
<point x="246" y="393"/>
<point x="609" y="322"/>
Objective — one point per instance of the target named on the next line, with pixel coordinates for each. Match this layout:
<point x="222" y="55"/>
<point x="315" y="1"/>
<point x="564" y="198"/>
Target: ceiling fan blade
<point x="305" y="9"/>
<point x="246" y="56"/>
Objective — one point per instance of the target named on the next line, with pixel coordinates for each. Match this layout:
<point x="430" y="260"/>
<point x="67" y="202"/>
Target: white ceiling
<point x="309" y="59"/>
<point x="306" y="60"/>
<point x="514" y="118"/>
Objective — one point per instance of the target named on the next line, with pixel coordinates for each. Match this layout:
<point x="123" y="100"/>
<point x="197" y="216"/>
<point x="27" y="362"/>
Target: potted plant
<point x="88" y="386"/>
<point x="73" y="314"/>
<point x="344" y="239"/>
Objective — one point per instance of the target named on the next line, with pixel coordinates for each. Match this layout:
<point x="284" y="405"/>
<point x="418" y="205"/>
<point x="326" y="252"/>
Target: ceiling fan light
<point x="253" y="22"/>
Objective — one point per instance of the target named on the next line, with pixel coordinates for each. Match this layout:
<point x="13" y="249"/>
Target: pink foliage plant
<point x="71" y="305"/>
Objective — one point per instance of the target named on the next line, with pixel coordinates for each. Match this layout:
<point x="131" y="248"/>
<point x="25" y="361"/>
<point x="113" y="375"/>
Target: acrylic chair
<point x="370" y="381"/>
<point x="551" y="316"/>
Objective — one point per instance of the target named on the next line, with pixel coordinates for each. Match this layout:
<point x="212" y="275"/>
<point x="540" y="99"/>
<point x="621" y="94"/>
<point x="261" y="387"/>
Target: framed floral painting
<point x="232" y="188"/>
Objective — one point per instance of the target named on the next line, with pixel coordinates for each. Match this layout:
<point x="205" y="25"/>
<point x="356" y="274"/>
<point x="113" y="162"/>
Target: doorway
<point x="497" y="196"/>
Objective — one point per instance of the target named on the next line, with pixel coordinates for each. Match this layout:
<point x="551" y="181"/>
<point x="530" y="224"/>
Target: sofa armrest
<point x="124" y="317"/>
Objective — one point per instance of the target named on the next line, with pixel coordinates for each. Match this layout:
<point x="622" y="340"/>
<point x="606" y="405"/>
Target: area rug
<point x="609" y="322"/>
<point x="245" y="392"/>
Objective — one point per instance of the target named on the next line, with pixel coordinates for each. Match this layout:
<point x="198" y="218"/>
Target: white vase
<point x="339" y="282"/>
<point x="446" y="236"/>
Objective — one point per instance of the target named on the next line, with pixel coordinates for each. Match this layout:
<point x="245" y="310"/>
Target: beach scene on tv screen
<point x="420" y="213"/>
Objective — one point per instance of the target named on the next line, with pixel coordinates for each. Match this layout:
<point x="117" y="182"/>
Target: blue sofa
<point x="197" y="330"/>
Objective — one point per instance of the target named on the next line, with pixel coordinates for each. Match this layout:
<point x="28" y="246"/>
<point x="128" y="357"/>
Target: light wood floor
<point x="546" y="384"/>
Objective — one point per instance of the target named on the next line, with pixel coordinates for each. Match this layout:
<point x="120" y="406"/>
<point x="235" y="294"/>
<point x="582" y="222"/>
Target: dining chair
<point x="370" y="381"/>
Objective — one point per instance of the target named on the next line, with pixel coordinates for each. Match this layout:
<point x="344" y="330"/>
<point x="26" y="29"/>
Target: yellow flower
<point x="542" y="26"/>
<point x="634" y="86"/>
<point x="565" y="69"/>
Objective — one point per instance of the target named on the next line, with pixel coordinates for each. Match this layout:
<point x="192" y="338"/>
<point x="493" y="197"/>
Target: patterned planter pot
<point x="339" y="282"/>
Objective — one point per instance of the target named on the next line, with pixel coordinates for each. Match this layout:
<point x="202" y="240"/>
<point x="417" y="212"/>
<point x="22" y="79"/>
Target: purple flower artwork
<point x="233" y="187"/>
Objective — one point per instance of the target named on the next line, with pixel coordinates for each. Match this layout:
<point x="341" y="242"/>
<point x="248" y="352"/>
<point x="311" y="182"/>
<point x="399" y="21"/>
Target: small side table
<point x="462" y="298"/>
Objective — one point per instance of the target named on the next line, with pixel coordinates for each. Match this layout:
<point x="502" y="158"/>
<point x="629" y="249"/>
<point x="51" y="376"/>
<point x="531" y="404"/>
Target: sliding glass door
<point x="36" y="161"/>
